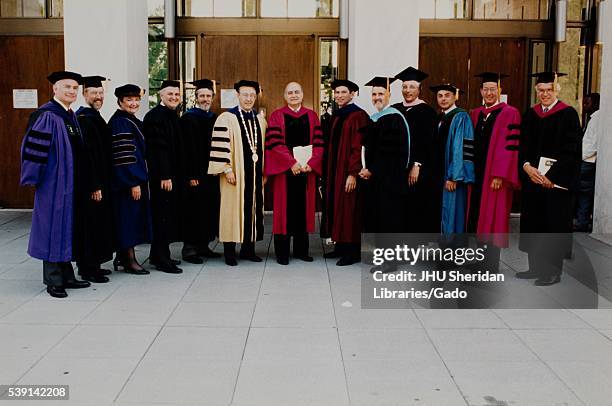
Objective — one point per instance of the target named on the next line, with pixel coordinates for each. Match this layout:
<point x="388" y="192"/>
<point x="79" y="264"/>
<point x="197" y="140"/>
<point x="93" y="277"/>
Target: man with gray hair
<point x="162" y="131"/>
<point x="549" y="161"/>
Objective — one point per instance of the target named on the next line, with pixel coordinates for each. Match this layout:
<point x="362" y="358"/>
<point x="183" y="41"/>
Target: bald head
<point x="294" y="95"/>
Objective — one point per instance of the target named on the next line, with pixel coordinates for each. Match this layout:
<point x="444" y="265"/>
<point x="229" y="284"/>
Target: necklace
<point x="252" y="138"/>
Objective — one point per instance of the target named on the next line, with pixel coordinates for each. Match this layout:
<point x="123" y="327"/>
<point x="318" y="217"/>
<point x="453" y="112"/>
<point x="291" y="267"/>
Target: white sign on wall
<point x="25" y="98"/>
<point x="229" y="98"/>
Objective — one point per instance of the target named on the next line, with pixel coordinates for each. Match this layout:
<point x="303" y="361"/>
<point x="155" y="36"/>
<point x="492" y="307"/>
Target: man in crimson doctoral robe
<point x="549" y="164"/>
<point x="343" y="198"/>
<point x="293" y="183"/>
<point x="496" y="138"/>
<point x="48" y="164"/>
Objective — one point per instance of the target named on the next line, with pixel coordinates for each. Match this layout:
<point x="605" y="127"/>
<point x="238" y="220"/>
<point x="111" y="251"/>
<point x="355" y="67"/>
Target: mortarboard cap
<point x="411" y="73"/>
<point x="129" y="90"/>
<point x="547" y="77"/>
<point x="352" y="86"/>
<point x="446" y="86"/>
<point x="381" y="81"/>
<point x="206" y="84"/>
<point x="495" y="77"/>
<point x="60" y="75"/>
<point x="170" y="83"/>
<point x="92" y="81"/>
<point x="247" y="83"/>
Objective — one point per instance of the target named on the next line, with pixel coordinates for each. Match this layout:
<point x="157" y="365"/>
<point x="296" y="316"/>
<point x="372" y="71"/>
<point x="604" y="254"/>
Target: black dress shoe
<point x="57" y="291"/>
<point x="208" y="253"/>
<point x="231" y="261"/>
<point x="282" y="261"/>
<point x="193" y="259"/>
<point x="95" y="277"/>
<point x="104" y="272"/>
<point x="384" y="268"/>
<point x="136" y="271"/>
<point x="76" y="284"/>
<point x="169" y="268"/>
<point x="526" y="275"/>
<point x="305" y="258"/>
<point x="251" y="257"/>
<point x="346" y="261"/>
<point x="331" y="254"/>
<point x="175" y="261"/>
<point x="547" y="280"/>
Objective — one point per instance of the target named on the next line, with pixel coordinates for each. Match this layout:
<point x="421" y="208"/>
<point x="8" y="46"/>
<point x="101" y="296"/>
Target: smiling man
<point x="236" y="156"/>
<point x="343" y="196"/>
<point x="201" y="198"/>
<point x="550" y="134"/>
<point x="93" y="215"/>
<point x="293" y="185"/>
<point x="165" y="159"/>
<point x="47" y="163"/>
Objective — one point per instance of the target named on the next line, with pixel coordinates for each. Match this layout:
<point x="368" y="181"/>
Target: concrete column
<point x="383" y="40"/>
<point x="602" y="222"/>
<point x="108" y="38"/>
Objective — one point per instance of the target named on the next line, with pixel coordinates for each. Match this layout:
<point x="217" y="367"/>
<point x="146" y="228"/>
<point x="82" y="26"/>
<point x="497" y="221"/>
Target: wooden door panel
<point x="444" y="59"/>
<point x="282" y="60"/>
<point x="29" y="59"/>
<point x="228" y="59"/>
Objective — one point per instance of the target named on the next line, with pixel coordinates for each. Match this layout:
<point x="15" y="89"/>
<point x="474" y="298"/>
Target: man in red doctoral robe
<point x="496" y="146"/>
<point x="293" y="183"/>
<point x="343" y="199"/>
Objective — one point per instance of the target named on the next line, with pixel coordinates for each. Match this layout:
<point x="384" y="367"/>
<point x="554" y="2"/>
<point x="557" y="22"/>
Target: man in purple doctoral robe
<point x="47" y="164"/>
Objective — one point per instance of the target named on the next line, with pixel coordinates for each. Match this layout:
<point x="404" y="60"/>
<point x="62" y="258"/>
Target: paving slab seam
<point x="541" y="360"/>
<point x="246" y="340"/>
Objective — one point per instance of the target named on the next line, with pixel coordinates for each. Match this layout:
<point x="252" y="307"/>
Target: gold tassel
<point x="499" y="91"/>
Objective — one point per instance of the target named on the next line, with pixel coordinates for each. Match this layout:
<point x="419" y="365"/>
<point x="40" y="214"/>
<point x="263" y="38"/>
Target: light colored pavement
<point x="267" y="335"/>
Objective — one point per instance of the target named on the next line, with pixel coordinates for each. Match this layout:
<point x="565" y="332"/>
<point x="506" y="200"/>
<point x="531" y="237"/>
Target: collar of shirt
<point x="453" y="107"/>
<point x="295" y="110"/>
<point x="61" y="104"/>
<point x="413" y="103"/>
<point x="549" y="108"/>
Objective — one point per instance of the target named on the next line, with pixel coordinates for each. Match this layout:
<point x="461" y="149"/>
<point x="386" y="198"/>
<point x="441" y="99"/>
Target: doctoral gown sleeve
<point x="35" y="149"/>
<point x="570" y="152"/>
<point x="460" y="150"/>
<point x="357" y="124"/>
<point x="129" y="168"/>
<point x="278" y="157"/>
<point x="505" y="158"/>
<point x="221" y="146"/>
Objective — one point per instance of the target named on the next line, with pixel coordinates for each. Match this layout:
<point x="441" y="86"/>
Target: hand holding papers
<point x="544" y="166"/>
<point x="302" y="154"/>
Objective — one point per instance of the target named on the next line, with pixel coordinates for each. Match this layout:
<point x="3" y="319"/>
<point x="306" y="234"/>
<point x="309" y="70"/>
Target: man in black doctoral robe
<point x="387" y="158"/>
<point x="165" y="161"/>
<point x="93" y="215"/>
<point x="549" y="164"/>
<point x="424" y="217"/>
<point x="201" y="200"/>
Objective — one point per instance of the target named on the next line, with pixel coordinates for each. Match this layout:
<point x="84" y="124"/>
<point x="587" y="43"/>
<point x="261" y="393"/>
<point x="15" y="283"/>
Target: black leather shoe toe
<point x="57" y="291"/>
<point x="76" y="284"/>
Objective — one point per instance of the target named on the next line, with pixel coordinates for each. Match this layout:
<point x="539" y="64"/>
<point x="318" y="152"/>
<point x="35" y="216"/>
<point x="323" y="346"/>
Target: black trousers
<point x="282" y="244"/>
<point x="349" y="250"/>
<point x="545" y="265"/>
<point x="57" y="273"/>
<point x="246" y="249"/>
<point x="160" y="252"/>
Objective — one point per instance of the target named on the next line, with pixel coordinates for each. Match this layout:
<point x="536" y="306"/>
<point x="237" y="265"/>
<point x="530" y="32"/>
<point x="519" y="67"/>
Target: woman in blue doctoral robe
<point x="129" y="184"/>
<point x="47" y="164"/>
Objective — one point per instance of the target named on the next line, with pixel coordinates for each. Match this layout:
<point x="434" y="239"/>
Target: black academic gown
<point x="556" y="134"/>
<point x="93" y="220"/>
<point x="424" y="217"/>
<point x="387" y="191"/>
<point x="165" y="159"/>
<point x="200" y="203"/>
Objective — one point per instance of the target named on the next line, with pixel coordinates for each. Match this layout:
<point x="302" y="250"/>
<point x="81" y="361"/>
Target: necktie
<point x="545" y="109"/>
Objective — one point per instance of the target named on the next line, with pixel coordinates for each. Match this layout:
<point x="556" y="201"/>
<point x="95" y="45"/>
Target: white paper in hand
<point x="302" y="154"/>
<point x="545" y="165"/>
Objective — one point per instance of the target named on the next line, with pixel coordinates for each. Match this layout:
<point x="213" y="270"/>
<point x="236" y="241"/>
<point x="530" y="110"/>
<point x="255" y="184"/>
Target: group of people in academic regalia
<point x="104" y="188"/>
